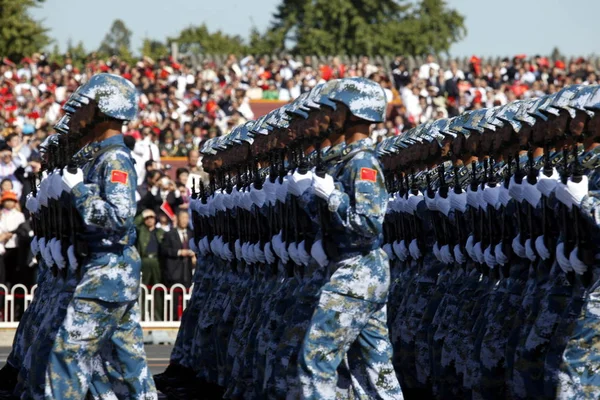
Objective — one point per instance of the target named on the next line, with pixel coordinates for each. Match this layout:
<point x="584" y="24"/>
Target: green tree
<point x="117" y="40"/>
<point x="20" y="34"/>
<point x="199" y="38"/>
<point x="154" y="49"/>
<point x="77" y="53"/>
<point x="365" y="26"/>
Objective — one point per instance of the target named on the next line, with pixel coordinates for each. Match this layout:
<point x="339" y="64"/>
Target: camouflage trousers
<point x="91" y="327"/>
<point x="343" y="325"/>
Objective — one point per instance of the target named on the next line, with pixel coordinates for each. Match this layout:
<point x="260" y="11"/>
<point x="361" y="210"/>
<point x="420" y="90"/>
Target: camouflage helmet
<point x="116" y="96"/>
<point x="364" y="98"/>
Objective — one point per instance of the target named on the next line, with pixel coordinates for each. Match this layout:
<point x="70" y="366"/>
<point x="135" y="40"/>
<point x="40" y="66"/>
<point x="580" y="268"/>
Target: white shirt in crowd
<point x="9" y="222"/>
<point x="424" y="70"/>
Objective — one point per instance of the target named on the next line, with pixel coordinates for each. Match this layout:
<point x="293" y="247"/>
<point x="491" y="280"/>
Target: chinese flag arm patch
<point x="368" y="174"/>
<point x="117" y="176"/>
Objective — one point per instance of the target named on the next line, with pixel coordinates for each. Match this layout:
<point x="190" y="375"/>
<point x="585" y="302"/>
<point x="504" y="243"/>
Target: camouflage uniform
<point x="104" y="308"/>
<point x="351" y="311"/>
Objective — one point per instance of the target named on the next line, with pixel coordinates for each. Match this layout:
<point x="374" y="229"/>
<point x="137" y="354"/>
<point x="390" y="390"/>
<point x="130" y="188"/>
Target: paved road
<point x="158" y="357"/>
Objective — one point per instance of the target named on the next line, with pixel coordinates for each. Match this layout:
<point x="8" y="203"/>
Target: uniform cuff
<point x="79" y="190"/>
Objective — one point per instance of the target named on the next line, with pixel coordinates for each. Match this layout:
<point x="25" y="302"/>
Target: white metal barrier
<point x="170" y="302"/>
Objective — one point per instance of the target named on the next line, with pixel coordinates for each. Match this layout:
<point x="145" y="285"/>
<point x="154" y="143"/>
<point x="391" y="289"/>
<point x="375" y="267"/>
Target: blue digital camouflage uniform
<point x="104" y="310"/>
<point x="351" y="313"/>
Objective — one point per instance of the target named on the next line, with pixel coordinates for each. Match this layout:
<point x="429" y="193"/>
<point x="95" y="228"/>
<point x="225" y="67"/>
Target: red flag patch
<point x="368" y="174"/>
<point x="119" y="177"/>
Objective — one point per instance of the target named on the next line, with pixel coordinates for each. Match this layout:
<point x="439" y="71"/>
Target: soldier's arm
<point x="590" y="208"/>
<point x="363" y="210"/>
<point x="110" y="206"/>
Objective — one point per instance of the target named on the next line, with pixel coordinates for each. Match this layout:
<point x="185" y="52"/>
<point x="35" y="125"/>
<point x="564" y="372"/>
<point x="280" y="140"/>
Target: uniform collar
<point x="363" y="144"/>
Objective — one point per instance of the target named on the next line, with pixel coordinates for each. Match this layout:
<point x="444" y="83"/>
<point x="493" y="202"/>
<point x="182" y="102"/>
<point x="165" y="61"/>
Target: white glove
<point x="518" y="247"/>
<point x="303" y="254"/>
<point x="56" y="185"/>
<point x="213" y="245"/>
<point x="478" y="253"/>
<point x="323" y="187"/>
<point x="472" y="199"/>
<point x="258" y="196"/>
<point x="35" y="248"/>
<point x="547" y="184"/>
<point x="491" y="196"/>
<point x="459" y="256"/>
<point x="469" y="247"/>
<point x="529" y="250"/>
<point x="259" y="255"/>
<point x="578" y="266"/>
<point x="515" y="189"/>
<point x="269" y="256"/>
<point x="413" y="202"/>
<point x="43" y="193"/>
<point x="503" y="195"/>
<point x="55" y="247"/>
<point x="2" y="249"/>
<point x="282" y="189"/>
<point x="480" y="199"/>
<point x="73" y="264"/>
<point x="193" y="246"/>
<point x="69" y="180"/>
<point x="205" y="245"/>
<point x="500" y="256"/>
<point x="458" y="202"/>
<point x="238" y="250"/>
<point x="541" y="248"/>
<point x="46" y="253"/>
<point x="442" y="204"/>
<point x="227" y="253"/>
<point x="436" y="251"/>
<point x="572" y="193"/>
<point x="414" y="250"/>
<point x="489" y="259"/>
<point x="563" y="261"/>
<point x="245" y="255"/>
<point x="430" y="203"/>
<point x="446" y="254"/>
<point x="400" y="250"/>
<point x="299" y="183"/>
<point x="270" y="191"/>
<point x="31" y="204"/>
<point x="531" y="194"/>
<point x="389" y="251"/>
<point x="318" y="253"/>
<point x="293" y="251"/>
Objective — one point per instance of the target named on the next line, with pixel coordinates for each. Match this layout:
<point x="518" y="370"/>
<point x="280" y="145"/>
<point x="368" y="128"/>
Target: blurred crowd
<point x="183" y="105"/>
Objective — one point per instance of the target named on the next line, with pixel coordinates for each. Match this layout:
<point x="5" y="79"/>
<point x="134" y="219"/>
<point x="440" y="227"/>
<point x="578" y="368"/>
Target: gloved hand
<point x="43" y="193"/>
<point x="193" y="246"/>
<point x="515" y="190"/>
<point x="35" y="249"/>
<point x="531" y="194"/>
<point x="413" y="202"/>
<point x="529" y="250"/>
<point x="469" y="247"/>
<point x="293" y="251"/>
<point x="73" y="264"/>
<point x="303" y="254"/>
<point x="478" y="251"/>
<point x="299" y="183"/>
<point x="270" y="191"/>
<point x="389" y="251"/>
<point x="446" y="254"/>
<point x="269" y="256"/>
<point x="503" y="195"/>
<point x="489" y="258"/>
<point x="436" y="252"/>
<point x="459" y="256"/>
<point x="259" y="255"/>
<point x="69" y="180"/>
<point x="245" y="255"/>
<point x="47" y="254"/>
<point x="227" y="253"/>
<point x="323" y="187"/>
<point x="55" y="249"/>
<point x="282" y="189"/>
<point x="491" y="196"/>
<point x="205" y="245"/>
<point x="31" y="204"/>
<point x="258" y="197"/>
<point x="318" y="253"/>
<point x="458" y="202"/>
<point x="572" y="193"/>
<point x="578" y="266"/>
<point x="518" y="248"/>
<point x="238" y="250"/>
<point x="442" y="204"/>
<point x="547" y="184"/>
<point x="563" y="261"/>
<point x="56" y="185"/>
<point x="541" y="248"/>
<point x="400" y="250"/>
<point x="414" y="250"/>
<point x="472" y="199"/>
<point x="500" y="256"/>
<point x="430" y="202"/>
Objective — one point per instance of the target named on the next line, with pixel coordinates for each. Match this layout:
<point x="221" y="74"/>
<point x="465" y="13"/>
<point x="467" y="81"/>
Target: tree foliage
<point x="366" y="26"/>
<point x="117" y="41"/>
<point x="154" y="49"/>
<point x="198" y="38"/>
<point x="20" y="34"/>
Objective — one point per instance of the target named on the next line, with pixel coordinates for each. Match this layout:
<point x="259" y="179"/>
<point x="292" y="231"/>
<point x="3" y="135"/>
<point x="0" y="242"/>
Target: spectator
<point x="8" y="167"/>
<point x="10" y="219"/>
<point x="179" y="260"/>
<point x="148" y="243"/>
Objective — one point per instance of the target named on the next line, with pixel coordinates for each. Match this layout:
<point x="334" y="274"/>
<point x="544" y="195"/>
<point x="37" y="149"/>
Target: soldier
<point x="104" y="309"/>
<point x="351" y="309"/>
